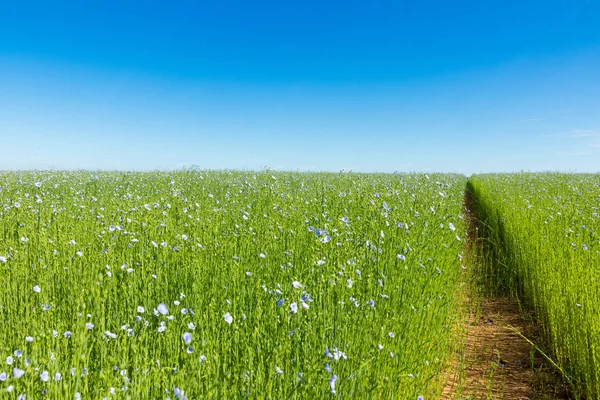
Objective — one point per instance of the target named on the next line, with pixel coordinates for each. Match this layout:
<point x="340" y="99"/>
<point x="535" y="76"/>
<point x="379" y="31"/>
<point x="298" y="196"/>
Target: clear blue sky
<point x="460" y="86"/>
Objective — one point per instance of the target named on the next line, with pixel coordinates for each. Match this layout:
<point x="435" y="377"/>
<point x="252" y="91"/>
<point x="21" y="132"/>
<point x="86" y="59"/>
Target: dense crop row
<point x="542" y="233"/>
<point x="228" y="284"/>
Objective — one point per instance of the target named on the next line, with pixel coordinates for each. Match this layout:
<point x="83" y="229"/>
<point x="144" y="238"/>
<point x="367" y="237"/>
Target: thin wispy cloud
<point x="584" y="133"/>
<point x="577" y="133"/>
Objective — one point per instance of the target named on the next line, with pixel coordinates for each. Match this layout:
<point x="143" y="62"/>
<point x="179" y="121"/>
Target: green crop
<point x="230" y="284"/>
<point x="541" y="235"/>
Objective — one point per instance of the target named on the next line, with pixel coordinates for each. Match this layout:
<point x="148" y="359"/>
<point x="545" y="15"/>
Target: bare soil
<point x="498" y="362"/>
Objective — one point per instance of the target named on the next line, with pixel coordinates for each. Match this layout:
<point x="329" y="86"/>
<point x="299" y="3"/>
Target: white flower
<point x="110" y="335"/>
<point x="17" y="373"/>
<point x="9" y="360"/>
<point x="451" y="226"/>
<point x="278" y="370"/>
<point x="29" y="339"/>
<point x="228" y="318"/>
<point x="3" y="377"/>
<point x="293" y="308"/>
<point x="2" y="259"/>
<point x="89" y="325"/>
<point x="140" y="309"/>
<point x="297" y="285"/>
<point x="44" y="376"/>
<point x="57" y="376"/>
<point x="191" y="325"/>
<point x="37" y="289"/>
<point x="336" y="355"/>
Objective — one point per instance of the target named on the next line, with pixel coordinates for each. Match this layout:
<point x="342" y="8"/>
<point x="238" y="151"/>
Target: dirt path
<point x="498" y="362"/>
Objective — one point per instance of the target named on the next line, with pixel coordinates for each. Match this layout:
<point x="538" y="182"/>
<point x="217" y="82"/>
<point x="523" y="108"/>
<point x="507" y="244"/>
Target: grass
<point x="541" y="239"/>
<point x="291" y="285"/>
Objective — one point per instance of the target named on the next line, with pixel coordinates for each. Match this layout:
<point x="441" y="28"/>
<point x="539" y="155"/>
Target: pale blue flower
<point x="162" y="308"/>
<point x="332" y="382"/>
<point x="187" y="338"/>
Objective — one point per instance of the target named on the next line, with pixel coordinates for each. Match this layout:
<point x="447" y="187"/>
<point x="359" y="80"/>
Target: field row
<point x="228" y="284"/>
<point x="541" y="238"/>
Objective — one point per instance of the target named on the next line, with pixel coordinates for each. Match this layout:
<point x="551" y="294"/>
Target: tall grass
<point x="228" y="284"/>
<point x="543" y="234"/>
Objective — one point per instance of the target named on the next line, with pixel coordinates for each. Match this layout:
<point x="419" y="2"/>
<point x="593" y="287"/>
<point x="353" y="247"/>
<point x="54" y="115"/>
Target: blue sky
<point x="301" y="85"/>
